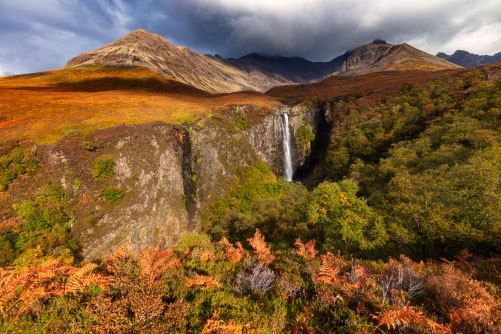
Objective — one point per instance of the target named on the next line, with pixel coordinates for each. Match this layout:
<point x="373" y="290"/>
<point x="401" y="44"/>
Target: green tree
<point x="345" y="221"/>
<point x="441" y="211"/>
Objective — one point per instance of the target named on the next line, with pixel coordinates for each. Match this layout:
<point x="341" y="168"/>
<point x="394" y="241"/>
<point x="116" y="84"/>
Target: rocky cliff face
<point x="169" y="174"/>
<point x="266" y="137"/>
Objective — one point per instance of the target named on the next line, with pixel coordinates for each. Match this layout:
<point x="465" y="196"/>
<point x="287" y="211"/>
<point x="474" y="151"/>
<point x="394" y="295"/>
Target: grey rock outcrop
<point x="169" y="174"/>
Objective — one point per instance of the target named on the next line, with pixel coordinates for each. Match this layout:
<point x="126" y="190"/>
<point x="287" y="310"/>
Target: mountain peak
<point x="254" y="71"/>
<point x="380" y="56"/>
<point x="138" y="31"/>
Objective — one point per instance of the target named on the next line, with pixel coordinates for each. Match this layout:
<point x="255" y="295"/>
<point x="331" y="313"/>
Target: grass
<point x="44" y="106"/>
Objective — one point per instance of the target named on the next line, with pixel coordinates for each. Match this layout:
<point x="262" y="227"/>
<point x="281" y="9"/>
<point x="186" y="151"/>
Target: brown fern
<point x="329" y="269"/>
<point x="262" y="250"/>
<point x="155" y="261"/>
<point x="207" y="255"/>
<point x="205" y="282"/>
<point x="232" y="253"/>
<point x="21" y="290"/>
<point x="306" y="250"/>
<point x="215" y="326"/>
<point x="224" y="242"/>
<point x="116" y="257"/>
<point x="403" y="317"/>
<point x="235" y="254"/>
<point x="8" y="224"/>
<point x="84" y="277"/>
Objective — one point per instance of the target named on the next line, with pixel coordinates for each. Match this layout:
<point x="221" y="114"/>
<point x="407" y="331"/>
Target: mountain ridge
<point x="470" y="60"/>
<point x="216" y="74"/>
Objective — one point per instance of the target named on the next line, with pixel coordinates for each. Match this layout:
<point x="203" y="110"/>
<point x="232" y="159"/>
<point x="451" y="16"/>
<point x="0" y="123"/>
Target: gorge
<point x="170" y="175"/>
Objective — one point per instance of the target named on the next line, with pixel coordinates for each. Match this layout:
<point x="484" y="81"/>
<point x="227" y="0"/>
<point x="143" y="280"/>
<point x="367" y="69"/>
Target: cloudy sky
<point x="37" y="35"/>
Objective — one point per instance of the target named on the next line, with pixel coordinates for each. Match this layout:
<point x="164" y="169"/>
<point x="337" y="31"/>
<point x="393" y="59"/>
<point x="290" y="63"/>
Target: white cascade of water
<point x="287" y="148"/>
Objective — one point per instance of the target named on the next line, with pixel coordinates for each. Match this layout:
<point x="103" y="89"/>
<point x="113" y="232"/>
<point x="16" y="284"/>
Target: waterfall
<point x="287" y="148"/>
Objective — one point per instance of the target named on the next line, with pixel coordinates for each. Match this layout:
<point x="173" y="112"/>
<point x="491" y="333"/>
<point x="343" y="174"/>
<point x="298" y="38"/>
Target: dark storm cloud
<point x="38" y="35"/>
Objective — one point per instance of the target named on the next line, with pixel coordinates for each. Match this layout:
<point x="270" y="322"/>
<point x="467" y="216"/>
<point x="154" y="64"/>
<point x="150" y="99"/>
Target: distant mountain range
<point x="215" y="74"/>
<point x="469" y="60"/>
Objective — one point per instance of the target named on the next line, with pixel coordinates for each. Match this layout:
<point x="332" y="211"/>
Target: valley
<point x="146" y="187"/>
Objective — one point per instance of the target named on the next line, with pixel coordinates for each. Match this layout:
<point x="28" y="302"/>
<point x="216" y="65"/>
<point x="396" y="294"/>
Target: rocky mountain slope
<point x="380" y="56"/>
<point x="470" y="60"/>
<point x="215" y="74"/>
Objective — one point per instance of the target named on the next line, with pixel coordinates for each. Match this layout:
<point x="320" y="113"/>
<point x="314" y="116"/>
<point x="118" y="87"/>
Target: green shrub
<point x="193" y="239"/>
<point x="88" y="146"/>
<point x="241" y="125"/>
<point x="304" y="135"/>
<point x="43" y="222"/>
<point x="54" y="193"/>
<point x="73" y="133"/>
<point x="112" y="194"/>
<point x="103" y="168"/>
<point x="17" y="155"/>
<point x="15" y="163"/>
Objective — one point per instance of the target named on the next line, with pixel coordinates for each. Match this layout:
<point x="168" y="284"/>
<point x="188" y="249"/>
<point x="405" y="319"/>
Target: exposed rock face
<point x="470" y="60"/>
<point x="149" y="169"/>
<point x="215" y="74"/>
<point x="169" y="174"/>
<point x="210" y="73"/>
<point x="267" y="136"/>
<point x="380" y="56"/>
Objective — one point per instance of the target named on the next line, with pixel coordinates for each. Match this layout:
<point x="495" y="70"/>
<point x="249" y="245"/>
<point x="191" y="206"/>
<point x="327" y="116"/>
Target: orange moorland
<point x="48" y="105"/>
<point x="374" y="86"/>
<point x="45" y="106"/>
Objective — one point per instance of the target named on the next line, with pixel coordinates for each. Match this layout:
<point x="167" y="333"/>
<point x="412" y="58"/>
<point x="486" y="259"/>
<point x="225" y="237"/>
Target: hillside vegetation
<point x="395" y="229"/>
<point x="206" y="287"/>
<point x="418" y="174"/>
<point x="46" y="106"/>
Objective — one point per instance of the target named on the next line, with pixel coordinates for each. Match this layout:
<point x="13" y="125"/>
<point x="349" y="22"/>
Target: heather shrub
<point x="103" y="168"/>
<point x="256" y="278"/>
<point x="112" y="194"/>
<point x="88" y="146"/>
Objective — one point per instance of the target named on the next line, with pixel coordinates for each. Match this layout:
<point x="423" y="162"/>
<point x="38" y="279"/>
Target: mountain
<point x="216" y="74"/>
<point x="380" y="56"/>
<point x="140" y="48"/>
<point x="469" y="60"/>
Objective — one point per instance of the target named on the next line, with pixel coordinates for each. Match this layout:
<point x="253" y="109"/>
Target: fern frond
<point x="215" y="326"/>
<point x="262" y="250"/>
<point x="224" y="242"/>
<point x="207" y="255"/>
<point x="328" y="269"/>
<point x="117" y="256"/>
<point x="306" y="250"/>
<point x="232" y="253"/>
<point x="206" y="282"/>
<point x="406" y="315"/>
<point x="84" y="277"/>
<point x="154" y="261"/>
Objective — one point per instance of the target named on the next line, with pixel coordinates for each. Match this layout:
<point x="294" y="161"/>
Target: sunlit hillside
<point x="44" y="106"/>
<point x="371" y="86"/>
